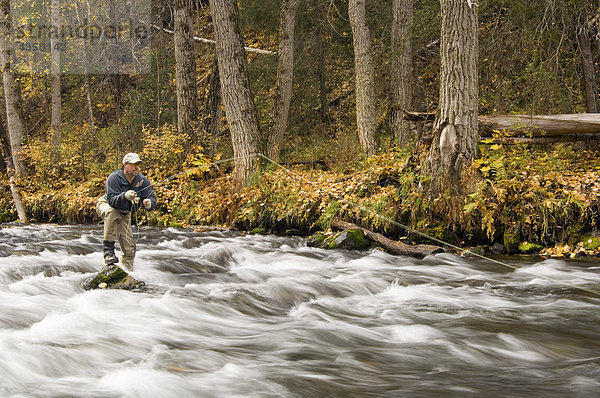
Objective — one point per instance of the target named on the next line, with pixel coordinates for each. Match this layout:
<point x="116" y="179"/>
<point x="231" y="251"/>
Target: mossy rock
<point x="591" y="242"/>
<point x="258" y="231"/>
<point x="529" y="248"/>
<point x="574" y="233"/>
<point x="112" y="277"/>
<point x="511" y="242"/>
<point x="350" y="239"/>
<point x="477" y="250"/>
<point x="316" y="240"/>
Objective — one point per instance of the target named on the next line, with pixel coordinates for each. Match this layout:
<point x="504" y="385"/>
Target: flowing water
<point x="227" y="315"/>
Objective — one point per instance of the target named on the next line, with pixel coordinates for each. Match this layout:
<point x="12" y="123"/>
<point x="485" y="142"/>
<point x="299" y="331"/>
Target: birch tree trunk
<point x="16" y="129"/>
<point x="401" y="68"/>
<point x="185" y="68"/>
<point x="235" y="88"/>
<point x="285" y="72"/>
<point x="366" y="114"/>
<point x="455" y="135"/>
<point x="10" y="171"/>
<point x="55" y="80"/>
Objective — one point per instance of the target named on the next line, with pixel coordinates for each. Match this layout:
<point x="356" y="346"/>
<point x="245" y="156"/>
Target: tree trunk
<point x="402" y="68"/>
<point x="455" y="135"/>
<point x="114" y="68"/>
<point x="185" y="69"/>
<point x="235" y="88"/>
<point x="587" y="61"/>
<point x="87" y="15"/>
<point x="285" y="72"/>
<point x="366" y="113"/>
<point x="212" y="111"/>
<point x="10" y="171"/>
<point x="55" y="82"/>
<point x="16" y="129"/>
<point x="320" y="65"/>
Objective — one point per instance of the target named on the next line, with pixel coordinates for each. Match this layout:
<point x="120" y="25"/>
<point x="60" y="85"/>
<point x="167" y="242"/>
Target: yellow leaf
<point x="496" y="147"/>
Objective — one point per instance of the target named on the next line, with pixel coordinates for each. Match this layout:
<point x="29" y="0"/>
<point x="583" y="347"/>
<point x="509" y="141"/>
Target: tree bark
<point x="401" y="68"/>
<point x="240" y="109"/>
<point x="55" y="82"/>
<point x="285" y="73"/>
<point x="16" y="129"/>
<point x="185" y="68"/>
<point x="455" y="134"/>
<point x="587" y="61"/>
<point x="390" y="245"/>
<point x="321" y="74"/>
<point x="366" y="113"/>
<point x="87" y="15"/>
<point x="212" y="111"/>
<point x="10" y="171"/>
<point x="114" y="68"/>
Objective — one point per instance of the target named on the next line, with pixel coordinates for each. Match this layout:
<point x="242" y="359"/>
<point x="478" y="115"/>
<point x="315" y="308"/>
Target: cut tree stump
<point x="392" y="246"/>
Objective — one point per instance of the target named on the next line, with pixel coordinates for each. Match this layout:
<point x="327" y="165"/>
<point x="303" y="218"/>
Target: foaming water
<point x="227" y="315"/>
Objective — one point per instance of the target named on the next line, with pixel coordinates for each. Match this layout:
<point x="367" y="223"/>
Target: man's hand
<point x="130" y="195"/>
<point x="147" y="204"/>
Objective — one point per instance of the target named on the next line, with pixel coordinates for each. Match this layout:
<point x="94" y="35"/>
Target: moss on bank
<point x="517" y="195"/>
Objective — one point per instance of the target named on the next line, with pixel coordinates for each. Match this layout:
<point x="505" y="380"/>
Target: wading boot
<point x="109" y="253"/>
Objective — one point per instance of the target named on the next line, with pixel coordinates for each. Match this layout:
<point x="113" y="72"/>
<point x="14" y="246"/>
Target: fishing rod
<point x="192" y="169"/>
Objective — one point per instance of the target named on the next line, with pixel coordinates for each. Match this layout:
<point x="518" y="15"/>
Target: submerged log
<point x="112" y="277"/>
<point x="390" y="245"/>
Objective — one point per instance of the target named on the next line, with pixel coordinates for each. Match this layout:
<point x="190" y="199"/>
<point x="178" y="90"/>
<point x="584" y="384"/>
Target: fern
<point x="498" y="169"/>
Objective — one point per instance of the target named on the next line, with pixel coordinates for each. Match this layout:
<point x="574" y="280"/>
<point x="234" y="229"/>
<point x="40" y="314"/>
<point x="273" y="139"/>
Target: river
<point x="228" y="315"/>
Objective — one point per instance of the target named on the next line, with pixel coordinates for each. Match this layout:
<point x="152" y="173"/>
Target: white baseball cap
<point x="131" y="158"/>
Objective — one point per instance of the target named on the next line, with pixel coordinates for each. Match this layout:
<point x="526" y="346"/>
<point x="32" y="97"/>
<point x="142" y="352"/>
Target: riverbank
<point x="521" y="199"/>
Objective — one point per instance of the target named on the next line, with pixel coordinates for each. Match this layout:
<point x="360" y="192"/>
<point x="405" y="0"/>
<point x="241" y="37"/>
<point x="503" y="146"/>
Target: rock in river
<point x="112" y="277"/>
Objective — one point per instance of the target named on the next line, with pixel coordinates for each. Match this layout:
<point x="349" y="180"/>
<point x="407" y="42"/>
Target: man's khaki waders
<point x="117" y="226"/>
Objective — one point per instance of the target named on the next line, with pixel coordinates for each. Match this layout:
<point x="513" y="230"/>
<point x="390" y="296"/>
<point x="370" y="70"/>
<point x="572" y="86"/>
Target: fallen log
<point x="543" y="140"/>
<point x="541" y="125"/>
<point x="576" y="126"/>
<point x="390" y="245"/>
<point x="212" y="42"/>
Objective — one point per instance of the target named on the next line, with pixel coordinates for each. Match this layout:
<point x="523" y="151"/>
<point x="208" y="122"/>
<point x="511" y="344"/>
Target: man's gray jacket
<point x="117" y="185"/>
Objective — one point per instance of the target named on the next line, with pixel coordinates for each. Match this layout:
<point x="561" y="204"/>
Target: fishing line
<point x="375" y="214"/>
<point x="186" y="171"/>
<point x="422" y="234"/>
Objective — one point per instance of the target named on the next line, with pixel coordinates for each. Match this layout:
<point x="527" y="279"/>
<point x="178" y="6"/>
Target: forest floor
<point x="523" y="198"/>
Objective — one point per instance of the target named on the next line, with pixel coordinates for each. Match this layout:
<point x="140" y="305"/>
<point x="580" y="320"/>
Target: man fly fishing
<point x="124" y="190"/>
